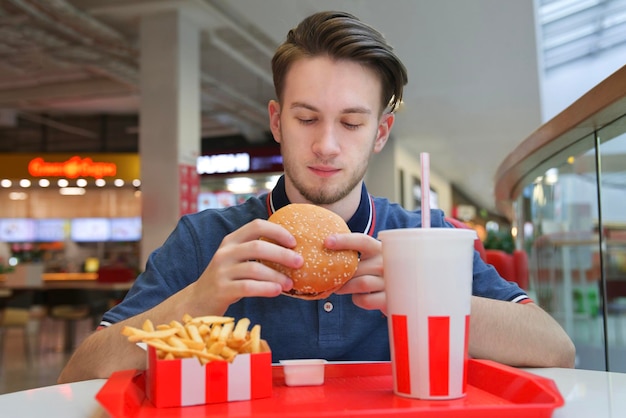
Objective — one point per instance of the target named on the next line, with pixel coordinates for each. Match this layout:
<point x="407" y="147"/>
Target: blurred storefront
<point x="79" y="211"/>
<point x="73" y="212"/>
<point x="231" y="176"/>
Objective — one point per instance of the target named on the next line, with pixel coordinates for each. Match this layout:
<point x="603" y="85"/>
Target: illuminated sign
<point x="250" y="160"/>
<point x="73" y="168"/>
<point x="223" y="163"/>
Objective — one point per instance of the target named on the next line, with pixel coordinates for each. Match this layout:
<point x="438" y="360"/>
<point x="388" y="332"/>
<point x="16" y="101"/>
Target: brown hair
<point x="341" y="35"/>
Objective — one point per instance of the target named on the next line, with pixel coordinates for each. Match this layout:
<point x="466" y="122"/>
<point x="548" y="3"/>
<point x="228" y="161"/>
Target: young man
<point x="337" y="84"/>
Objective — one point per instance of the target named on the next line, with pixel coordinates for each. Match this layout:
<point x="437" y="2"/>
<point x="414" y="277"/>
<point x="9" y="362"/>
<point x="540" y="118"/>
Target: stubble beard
<point x="323" y="195"/>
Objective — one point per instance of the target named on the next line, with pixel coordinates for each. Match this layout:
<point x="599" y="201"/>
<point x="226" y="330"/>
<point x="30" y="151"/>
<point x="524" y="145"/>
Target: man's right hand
<point x="233" y="273"/>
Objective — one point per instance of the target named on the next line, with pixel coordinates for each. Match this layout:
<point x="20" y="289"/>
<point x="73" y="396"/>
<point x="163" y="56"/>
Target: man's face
<point x="328" y="125"/>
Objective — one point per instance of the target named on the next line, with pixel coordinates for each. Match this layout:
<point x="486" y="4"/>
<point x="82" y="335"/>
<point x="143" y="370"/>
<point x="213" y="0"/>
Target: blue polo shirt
<point x="332" y="328"/>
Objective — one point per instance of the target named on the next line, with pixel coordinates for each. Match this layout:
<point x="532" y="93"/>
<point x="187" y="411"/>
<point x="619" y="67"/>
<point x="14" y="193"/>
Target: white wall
<point x="562" y="86"/>
<point x="383" y="178"/>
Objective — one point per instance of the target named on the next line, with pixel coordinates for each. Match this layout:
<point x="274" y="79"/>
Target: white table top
<point x="72" y="400"/>
<point x="587" y="393"/>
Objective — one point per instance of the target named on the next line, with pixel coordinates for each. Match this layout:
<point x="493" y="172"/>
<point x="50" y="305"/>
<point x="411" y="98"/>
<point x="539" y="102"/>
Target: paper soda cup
<point x="428" y="285"/>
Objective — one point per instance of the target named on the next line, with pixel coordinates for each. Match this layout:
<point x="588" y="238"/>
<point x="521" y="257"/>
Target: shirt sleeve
<point x="487" y="281"/>
<point x="169" y="269"/>
<point x="489" y="284"/>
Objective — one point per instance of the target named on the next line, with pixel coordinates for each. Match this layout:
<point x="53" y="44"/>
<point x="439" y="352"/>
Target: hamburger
<point x="324" y="270"/>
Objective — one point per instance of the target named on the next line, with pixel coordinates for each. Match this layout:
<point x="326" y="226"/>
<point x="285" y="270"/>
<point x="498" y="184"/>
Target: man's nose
<point x="326" y="141"/>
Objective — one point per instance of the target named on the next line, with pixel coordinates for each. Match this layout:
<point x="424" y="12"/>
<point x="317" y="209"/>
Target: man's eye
<point x="351" y="126"/>
<point x="305" y="121"/>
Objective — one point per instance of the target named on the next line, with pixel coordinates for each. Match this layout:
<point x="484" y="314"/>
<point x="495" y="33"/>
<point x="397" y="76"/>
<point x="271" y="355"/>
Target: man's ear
<point x="384" y="129"/>
<point x="273" y="109"/>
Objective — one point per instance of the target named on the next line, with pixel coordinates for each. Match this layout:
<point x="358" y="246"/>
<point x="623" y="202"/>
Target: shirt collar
<point x="363" y="220"/>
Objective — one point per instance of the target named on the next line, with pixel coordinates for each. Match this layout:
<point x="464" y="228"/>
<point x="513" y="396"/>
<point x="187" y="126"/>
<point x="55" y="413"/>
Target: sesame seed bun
<point x="324" y="270"/>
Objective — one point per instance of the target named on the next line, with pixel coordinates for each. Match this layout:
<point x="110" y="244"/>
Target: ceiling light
<point x="25" y="183"/>
<point x="63" y="183"/>
<point x="81" y="182"/>
<point x="101" y="182"/>
<point x="44" y="182"/>
<point x="6" y="183"/>
<point x="118" y="182"/>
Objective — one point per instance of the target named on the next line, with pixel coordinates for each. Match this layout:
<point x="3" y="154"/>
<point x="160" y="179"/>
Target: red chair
<point x="503" y="263"/>
<point x="512" y="267"/>
<point x="520" y="259"/>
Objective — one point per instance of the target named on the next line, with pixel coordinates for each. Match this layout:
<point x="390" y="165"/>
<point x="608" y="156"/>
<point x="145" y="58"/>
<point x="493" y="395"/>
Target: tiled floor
<point x="19" y="372"/>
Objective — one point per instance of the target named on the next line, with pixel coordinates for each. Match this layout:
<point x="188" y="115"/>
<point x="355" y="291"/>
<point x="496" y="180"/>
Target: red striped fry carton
<point x="185" y="382"/>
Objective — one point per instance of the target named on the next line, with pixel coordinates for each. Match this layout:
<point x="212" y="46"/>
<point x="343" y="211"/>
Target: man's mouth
<point x="324" y="171"/>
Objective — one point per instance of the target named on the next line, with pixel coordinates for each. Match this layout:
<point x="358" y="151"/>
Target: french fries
<point x="208" y="338"/>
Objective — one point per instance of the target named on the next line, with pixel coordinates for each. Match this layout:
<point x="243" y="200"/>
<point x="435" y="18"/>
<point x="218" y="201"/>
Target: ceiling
<point x="473" y="91"/>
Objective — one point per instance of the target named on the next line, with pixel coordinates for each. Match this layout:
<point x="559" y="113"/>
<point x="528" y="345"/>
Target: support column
<point x="169" y="123"/>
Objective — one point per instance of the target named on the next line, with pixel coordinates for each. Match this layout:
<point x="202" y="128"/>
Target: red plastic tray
<point x="356" y="390"/>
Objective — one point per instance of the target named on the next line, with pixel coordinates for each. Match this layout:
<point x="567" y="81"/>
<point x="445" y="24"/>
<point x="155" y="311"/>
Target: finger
<point x="256" y="271"/>
<point x="262" y="228"/>
<point x="255" y="288"/>
<point x="240" y="284"/>
<point x="233" y="252"/>
<point x="371" y="301"/>
<point x="364" y="244"/>
<point x="362" y="284"/>
<point x="268" y="251"/>
<point x="370" y="253"/>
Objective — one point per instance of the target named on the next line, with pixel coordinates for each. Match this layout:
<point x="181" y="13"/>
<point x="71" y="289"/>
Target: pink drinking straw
<point x="425" y="163"/>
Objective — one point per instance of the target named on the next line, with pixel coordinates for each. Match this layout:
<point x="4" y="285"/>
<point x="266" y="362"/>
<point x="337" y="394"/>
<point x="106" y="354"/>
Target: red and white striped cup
<point x="428" y="285"/>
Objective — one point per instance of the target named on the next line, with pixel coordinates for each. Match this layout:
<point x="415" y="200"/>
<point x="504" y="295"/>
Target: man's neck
<point x="345" y="208"/>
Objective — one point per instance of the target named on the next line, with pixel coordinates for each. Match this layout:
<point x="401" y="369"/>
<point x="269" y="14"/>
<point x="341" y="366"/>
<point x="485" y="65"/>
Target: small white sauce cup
<point x="304" y="372"/>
